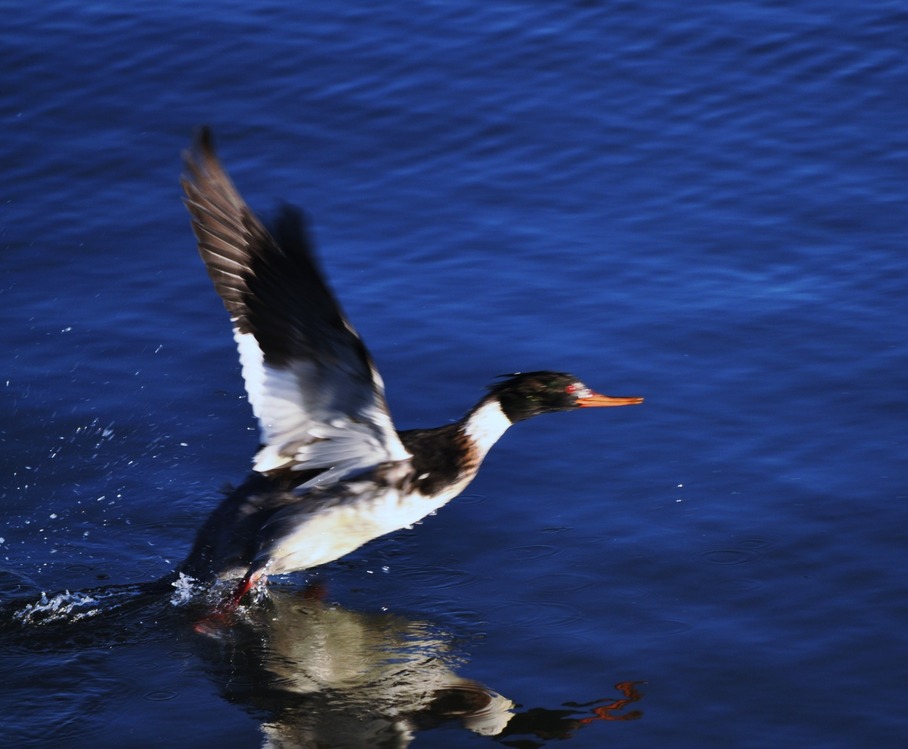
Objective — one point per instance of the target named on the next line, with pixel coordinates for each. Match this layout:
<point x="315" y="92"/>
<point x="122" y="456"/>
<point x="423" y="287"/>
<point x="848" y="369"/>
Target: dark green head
<point x="526" y="394"/>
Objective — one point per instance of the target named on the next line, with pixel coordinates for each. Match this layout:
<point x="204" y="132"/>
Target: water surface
<point x="700" y="204"/>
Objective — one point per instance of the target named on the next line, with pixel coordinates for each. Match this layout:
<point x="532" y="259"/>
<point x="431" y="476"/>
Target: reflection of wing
<point x="312" y="385"/>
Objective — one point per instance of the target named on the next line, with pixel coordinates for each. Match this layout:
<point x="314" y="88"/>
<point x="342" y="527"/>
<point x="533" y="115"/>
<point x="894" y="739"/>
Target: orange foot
<point x="609" y="710"/>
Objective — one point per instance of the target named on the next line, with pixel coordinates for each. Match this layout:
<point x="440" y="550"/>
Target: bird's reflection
<point x="314" y="674"/>
<point x="321" y="675"/>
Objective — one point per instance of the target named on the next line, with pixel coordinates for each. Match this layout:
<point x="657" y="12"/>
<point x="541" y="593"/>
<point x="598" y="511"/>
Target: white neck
<point x="486" y="425"/>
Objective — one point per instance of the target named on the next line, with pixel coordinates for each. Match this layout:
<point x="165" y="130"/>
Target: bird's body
<point x="332" y="472"/>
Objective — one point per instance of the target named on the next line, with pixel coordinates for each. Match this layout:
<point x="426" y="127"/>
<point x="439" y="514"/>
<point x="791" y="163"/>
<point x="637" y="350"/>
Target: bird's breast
<point x="344" y="518"/>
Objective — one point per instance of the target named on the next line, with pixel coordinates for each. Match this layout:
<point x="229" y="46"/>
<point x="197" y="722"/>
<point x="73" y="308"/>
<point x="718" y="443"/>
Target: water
<point x="703" y="204"/>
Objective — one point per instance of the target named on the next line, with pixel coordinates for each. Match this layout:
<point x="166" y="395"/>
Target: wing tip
<point x="204" y="139"/>
<point x="200" y="155"/>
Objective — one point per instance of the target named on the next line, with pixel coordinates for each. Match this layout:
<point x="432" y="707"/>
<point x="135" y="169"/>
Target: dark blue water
<point x="702" y="203"/>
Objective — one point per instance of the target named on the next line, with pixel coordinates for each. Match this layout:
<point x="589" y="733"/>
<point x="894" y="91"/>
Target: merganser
<point x="332" y="472"/>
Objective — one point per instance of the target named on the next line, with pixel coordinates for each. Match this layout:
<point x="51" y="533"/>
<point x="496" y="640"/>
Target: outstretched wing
<point x="312" y="385"/>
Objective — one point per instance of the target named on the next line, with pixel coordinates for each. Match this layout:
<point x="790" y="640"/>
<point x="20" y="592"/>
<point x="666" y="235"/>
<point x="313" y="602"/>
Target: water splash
<point x="185" y="590"/>
<point x="65" y="606"/>
<point x="130" y="606"/>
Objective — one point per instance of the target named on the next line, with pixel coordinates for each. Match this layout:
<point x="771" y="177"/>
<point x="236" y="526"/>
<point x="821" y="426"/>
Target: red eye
<point x="570" y="389"/>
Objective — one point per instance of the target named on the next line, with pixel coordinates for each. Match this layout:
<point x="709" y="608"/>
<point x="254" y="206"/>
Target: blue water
<point x="702" y="203"/>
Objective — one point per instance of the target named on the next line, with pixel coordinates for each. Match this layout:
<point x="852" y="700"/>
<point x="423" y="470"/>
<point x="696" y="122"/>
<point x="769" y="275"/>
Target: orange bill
<point x="597" y="400"/>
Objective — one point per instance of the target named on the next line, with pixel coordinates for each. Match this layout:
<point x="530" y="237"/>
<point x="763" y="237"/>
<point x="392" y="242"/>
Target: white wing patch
<point x="303" y="427"/>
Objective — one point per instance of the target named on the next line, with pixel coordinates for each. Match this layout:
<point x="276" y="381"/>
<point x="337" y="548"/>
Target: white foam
<point x="64" y="606"/>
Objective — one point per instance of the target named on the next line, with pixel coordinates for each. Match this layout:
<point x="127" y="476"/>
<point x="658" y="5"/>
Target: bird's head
<point x="527" y="394"/>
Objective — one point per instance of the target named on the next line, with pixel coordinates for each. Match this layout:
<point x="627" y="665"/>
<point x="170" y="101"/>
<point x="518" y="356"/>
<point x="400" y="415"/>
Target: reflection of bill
<point x="326" y="676"/>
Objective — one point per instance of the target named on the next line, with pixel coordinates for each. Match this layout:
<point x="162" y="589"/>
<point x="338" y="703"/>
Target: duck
<point x="332" y="472"/>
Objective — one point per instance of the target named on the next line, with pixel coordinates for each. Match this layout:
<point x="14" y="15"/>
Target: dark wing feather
<point x="310" y="380"/>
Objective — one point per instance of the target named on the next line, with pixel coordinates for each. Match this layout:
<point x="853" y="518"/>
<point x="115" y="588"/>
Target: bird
<point x="332" y="472"/>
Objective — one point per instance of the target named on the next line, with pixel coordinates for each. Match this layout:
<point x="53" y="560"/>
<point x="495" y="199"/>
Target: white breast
<point x="309" y="534"/>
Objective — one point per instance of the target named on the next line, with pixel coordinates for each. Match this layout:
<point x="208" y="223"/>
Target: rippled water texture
<point x="701" y="203"/>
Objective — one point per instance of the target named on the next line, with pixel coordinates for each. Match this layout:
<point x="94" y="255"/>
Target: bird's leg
<point x="246" y="584"/>
<point x="223" y="615"/>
